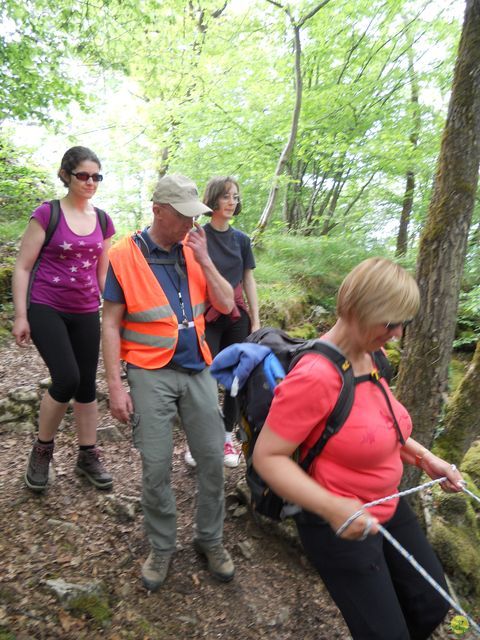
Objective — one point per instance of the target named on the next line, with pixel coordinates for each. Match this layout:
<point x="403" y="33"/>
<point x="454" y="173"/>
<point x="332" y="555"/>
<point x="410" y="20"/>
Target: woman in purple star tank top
<point x="57" y="282"/>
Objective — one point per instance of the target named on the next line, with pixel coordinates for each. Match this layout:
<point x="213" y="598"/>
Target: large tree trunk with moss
<point x="462" y="417"/>
<point x="428" y="344"/>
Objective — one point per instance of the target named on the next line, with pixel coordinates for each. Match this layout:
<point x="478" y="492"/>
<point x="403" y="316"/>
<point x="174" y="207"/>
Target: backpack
<point x="50" y="230"/>
<point x="256" y="395"/>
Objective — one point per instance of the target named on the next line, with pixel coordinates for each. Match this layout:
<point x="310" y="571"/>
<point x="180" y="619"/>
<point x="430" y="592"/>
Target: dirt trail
<point x="76" y="533"/>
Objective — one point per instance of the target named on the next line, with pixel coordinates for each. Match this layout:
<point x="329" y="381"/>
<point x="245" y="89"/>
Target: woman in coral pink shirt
<point x="378" y="592"/>
<point x="56" y="292"/>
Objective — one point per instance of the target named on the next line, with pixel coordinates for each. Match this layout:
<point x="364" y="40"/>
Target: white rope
<point x="403" y="551"/>
<point x="407" y="492"/>
<point x="428" y="577"/>
<point x="464" y="488"/>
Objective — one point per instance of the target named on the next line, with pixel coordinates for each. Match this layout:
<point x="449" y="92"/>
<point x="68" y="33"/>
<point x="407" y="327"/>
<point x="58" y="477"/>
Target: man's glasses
<point x="227" y="196"/>
<point x="83" y="176"/>
<point x="391" y="326"/>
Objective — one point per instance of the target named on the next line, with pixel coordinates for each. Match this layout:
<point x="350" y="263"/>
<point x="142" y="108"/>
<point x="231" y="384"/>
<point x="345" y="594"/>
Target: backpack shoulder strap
<point x="141" y="244"/>
<point x="49" y="231"/>
<point x="102" y="218"/>
<point x="383" y="365"/>
<point x="344" y="403"/>
<point x="55" y="217"/>
<point x="53" y="221"/>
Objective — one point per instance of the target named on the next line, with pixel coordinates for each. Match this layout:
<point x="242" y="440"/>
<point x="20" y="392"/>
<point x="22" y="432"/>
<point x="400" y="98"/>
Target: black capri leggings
<point x="381" y="596"/>
<point x="69" y="344"/>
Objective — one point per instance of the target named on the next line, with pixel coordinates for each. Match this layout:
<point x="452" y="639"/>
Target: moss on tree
<point x="461" y="423"/>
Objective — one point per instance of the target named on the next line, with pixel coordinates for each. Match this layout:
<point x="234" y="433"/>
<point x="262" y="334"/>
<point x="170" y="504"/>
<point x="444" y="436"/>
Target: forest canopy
<point x="210" y="87"/>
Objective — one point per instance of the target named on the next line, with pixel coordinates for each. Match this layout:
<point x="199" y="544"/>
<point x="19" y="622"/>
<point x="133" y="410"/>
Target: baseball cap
<point x="180" y="192"/>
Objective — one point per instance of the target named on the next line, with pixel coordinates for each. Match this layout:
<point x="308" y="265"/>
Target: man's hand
<point x="121" y="405"/>
<point x="196" y="240"/>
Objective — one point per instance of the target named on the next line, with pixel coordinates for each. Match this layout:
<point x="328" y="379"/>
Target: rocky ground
<point x="77" y="534"/>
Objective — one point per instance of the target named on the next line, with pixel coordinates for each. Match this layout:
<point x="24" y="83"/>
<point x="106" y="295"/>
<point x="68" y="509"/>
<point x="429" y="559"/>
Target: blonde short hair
<point x="378" y="290"/>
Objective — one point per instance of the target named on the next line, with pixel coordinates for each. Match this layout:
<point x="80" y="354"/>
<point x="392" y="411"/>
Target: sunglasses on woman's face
<point x="391" y="326"/>
<point x="83" y="176"/>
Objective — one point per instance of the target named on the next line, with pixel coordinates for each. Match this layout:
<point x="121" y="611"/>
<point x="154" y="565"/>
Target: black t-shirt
<point x="231" y="252"/>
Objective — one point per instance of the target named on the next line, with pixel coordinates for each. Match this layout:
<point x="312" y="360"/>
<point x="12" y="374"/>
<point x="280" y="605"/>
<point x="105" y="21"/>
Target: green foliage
<point x="23" y="186"/>
<point x="214" y="94"/>
<point x="33" y="53"/>
<point x="295" y="273"/>
<point x="6" y="271"/>
<point x="471" y="464"/>
<point x="457" y="370"/>
<point x="289" y="256"/>
<point x="468" y="330"/>
<point x="455" y="534"/>
<point x="306" y="331"/>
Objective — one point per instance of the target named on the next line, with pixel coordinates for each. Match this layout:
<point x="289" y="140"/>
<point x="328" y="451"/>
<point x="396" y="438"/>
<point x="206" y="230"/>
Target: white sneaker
<point x="231" y="457"/>
<point x="189" y="459"/>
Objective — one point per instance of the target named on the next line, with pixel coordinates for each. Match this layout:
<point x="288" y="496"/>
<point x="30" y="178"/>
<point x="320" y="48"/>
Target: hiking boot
<point x="155" y="569"/>
<point x="90" y="466"/>
<point x="189" y="459"/>
<point x="36" y="475"/>
<point x="231" y="457"/>
<point x="220" y="564"/>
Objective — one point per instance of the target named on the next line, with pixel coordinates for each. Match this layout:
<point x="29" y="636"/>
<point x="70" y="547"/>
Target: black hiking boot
<point x="90" y="466"/>
<point x="36" y="475"/>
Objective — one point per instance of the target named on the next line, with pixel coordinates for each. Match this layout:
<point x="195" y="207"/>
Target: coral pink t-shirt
<point x="363" y="459"/>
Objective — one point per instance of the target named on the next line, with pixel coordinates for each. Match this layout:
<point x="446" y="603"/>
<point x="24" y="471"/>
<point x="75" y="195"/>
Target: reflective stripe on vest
<point x="157" y="313"/>
<point x="198" y="309"/>
<point x="150" y="327"/>
<point x="145" y="338"/>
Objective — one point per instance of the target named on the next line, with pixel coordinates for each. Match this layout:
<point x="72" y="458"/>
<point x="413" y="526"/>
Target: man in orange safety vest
<point x="157" y="287"/>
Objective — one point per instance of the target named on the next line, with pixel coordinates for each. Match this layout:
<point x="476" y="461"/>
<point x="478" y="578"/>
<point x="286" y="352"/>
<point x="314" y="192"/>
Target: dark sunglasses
<point x="83" y="176"/>
<point x="391" y="326"/>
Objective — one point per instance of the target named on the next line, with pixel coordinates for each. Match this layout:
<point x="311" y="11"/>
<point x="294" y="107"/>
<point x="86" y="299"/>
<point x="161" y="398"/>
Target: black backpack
<point x="50" y="230"/>
<point x="256" y="396"/>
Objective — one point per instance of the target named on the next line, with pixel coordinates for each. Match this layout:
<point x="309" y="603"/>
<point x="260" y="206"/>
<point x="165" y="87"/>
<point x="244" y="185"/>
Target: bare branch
<point x="312" y="13"/>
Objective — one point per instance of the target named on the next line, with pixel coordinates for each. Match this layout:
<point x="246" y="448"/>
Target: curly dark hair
<point x="73" y="157"/>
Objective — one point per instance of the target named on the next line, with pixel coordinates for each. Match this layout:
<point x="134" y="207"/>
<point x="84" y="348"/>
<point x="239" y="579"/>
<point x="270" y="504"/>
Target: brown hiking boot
<point x="220" y="564"/>
<point x="155" y="569"/>
<point x="90" y="466"/>
<point x="36" y="475"/>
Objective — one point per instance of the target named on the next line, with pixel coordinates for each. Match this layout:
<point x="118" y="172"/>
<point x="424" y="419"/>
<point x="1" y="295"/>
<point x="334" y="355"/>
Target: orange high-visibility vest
<point x="149" y="333"/>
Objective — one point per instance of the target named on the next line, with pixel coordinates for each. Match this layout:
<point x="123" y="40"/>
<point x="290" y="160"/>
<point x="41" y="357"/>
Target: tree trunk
<point x="462" y="417"/>
<point x="428" y="345"/>
<point x="402" y="238"/>
<point x="287" y="151"/>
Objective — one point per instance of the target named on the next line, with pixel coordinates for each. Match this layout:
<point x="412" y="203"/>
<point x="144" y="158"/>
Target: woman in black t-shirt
<point x="231" y="252"/>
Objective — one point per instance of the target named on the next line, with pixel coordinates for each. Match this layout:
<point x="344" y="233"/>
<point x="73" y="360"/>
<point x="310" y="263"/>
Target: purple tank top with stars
<point x="66" y="278"/>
